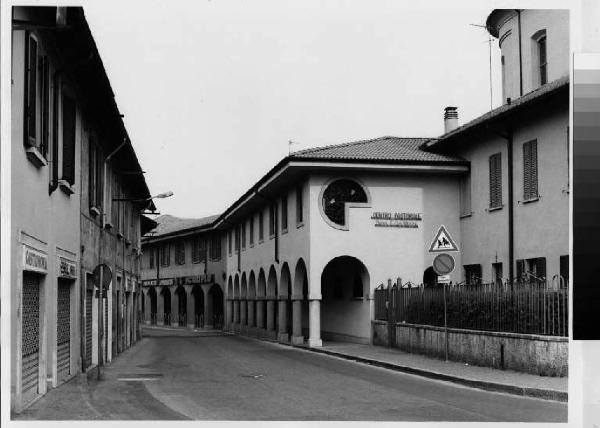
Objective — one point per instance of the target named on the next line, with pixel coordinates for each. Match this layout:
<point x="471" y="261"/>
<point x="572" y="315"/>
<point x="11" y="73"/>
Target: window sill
<point x="490" y="209"/>
<point x="466" y="215"/>
<point x="272" y="236"/>
<point x="66" y="187"/>
<point x="108" y="225"/>
<point x="119" y="235"/>
<point x="284" y="231"/>
<point x="95" y="212"/>
<point x="527" y="201"/>
<point x="35" y="157"/>
<point x="127" y="242"/>
<point x="299" y="225"/>
<point x="260" y="241"/>
<point x="252" y="245"/>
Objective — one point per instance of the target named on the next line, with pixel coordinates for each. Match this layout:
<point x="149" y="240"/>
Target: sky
<point x="212" y="91"/>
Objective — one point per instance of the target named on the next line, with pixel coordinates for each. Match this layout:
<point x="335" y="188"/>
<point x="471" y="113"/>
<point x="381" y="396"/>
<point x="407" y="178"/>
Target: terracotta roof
<point x="168" y="224"/>
<point x="386" y="149"/>
<point x="504" y="110"/>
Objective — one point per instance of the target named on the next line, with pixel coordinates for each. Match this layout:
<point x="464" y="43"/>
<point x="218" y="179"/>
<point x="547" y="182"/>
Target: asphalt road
<point x="169" y="377"/>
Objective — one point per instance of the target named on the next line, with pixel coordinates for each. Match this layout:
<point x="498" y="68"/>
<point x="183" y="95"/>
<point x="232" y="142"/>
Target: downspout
<point x="520" y="55"/>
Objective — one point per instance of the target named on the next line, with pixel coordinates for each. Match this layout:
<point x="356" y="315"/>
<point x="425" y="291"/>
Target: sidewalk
<point x="550" y="388"/>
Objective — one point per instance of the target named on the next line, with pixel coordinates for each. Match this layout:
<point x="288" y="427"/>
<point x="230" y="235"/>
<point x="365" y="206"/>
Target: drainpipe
<point x="520" y="55"/>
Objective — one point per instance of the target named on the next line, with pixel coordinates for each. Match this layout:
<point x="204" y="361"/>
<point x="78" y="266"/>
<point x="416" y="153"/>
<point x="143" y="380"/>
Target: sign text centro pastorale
<point x="389" y="219"/>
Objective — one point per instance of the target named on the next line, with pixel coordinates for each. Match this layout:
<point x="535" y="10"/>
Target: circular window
<point x="337" y="195"/>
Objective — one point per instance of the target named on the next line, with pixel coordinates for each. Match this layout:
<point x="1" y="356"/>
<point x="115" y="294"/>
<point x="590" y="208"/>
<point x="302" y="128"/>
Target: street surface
<point x="182" y="375"/>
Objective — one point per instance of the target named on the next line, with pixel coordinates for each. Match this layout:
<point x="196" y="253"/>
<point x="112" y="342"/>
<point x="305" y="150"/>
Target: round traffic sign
<point x="443" y="264"/>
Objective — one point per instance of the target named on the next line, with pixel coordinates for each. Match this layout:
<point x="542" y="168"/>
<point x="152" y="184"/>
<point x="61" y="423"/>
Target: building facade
<point x="61" y="102"/>
<point x="305" y="247"/>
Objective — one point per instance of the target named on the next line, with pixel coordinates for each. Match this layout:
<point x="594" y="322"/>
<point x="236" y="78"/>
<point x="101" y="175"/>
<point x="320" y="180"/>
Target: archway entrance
<point x="344" y="307"/>
<point x="153" y="304"/>
<point x="217" y="299"/>
<point x="166" y="294"/>
<point x="181" y="316"/>
<point x="198" y="295"/>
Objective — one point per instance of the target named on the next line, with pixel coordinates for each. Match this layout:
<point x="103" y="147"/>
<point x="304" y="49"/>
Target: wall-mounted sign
<point x="34" y="260"/>
<point x="443" y="279"/>
<point x="67" y="268"/>
<point x="196" y="279"/>
<point x="393" y="219"/>
<point x="162" y="281"/>
<point x="443" y="264"/>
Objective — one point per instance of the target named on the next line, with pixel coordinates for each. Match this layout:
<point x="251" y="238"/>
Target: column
<point x="189" y="309"/>
<point x="174" y="308"/>
<point x="208" y="307"/>
<point x="147" y="308"/>
<point x="160" y="308"/>
<point x="297" y="338"/>
<point x="283" y="333"/>
<point x="260" y="322"/>
<point x="270" y="317"/>
<point x="229" y="314"/>
<point x="314" y="339"/>
<point x="236" y="315"/>
<point x="251" y="318"/>
<point x="244" y="315"/>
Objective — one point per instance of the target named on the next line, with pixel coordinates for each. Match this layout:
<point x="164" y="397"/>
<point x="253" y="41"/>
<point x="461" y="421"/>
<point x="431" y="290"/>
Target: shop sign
<point x="396" y="219"/>
<point x="34" y="260"/>
<point x="154" y="282"/>
<point x="196" y="279"/>
<point x="67" y="268"/>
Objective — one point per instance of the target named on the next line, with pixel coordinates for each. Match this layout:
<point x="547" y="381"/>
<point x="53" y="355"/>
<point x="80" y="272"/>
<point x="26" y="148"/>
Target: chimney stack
<point x="450" y="119"/>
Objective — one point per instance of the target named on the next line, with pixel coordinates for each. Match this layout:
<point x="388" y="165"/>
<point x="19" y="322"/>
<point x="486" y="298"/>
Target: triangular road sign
<point x="442" y="242"/>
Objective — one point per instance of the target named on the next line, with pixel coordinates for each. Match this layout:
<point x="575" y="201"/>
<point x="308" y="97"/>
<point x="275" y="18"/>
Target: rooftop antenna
<point x="290" y="142"/>
<point x="489" y="42"/>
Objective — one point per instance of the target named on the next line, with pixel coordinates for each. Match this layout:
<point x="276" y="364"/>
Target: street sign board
<point x="443" y="264"/>
<point x="442" y="242"/>
<point x="106" y="275"/>
<point x="443" y="279"/>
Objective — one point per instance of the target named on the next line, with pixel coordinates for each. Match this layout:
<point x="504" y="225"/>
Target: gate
<point x="63" y="330"/>
<point x="89" y="300"/>
<point x="30" y="345"/>
<point x="391" y="306"/>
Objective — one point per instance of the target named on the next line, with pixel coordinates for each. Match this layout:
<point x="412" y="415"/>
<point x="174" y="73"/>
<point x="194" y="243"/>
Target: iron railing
<point x="520" y="307"/>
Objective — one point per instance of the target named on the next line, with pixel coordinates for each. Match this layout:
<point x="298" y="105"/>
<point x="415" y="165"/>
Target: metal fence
<point x="531" y="308"/>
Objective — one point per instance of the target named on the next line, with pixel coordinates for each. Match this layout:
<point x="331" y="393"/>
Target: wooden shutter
<point x="530" y="180"/>
<point x="68" y="165"/>
<point x="45" y="106"/>
<point x="495" y="181"/>
<point x="31" y="70"/>
<point x="92" y="173"/>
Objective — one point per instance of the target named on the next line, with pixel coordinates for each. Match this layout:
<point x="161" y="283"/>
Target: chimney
<point x="450" y="119"/>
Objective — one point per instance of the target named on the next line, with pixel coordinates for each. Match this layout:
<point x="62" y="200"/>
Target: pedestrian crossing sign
<point x="442" y="242"/>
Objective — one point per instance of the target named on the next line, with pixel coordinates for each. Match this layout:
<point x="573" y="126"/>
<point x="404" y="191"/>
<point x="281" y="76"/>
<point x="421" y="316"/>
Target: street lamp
<point x="159" y="196"/>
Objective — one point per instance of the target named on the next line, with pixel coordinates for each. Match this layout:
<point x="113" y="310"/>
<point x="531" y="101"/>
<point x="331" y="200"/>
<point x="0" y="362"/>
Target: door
<point x="30" y="346"/>
<point x="63" y="329"/>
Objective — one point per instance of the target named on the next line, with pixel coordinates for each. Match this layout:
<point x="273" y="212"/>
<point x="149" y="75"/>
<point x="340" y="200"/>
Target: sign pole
<point x="100" y="321"/>
<point x="445" y="321"/>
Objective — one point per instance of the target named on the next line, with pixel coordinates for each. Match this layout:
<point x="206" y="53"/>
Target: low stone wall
<point x="542" y="355"/>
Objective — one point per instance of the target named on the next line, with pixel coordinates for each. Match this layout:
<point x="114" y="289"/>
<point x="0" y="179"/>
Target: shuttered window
<point x="31" y="78"/>
<point x="68" y="158"/>
<point x="530" y="173"/>
<point x="261" y="227"/>
<point x="198" y="250"/>
<point x="495" y="181"/>
<point x="215" y="248"/>
<point x="251" y="230"/>
<point x="45" y="107"/>
<point x="243" y="235"/>
<point x="229" y="245"/>
<point x="299" y="205"/>
<point x="284" y="213"/>
<point x="180" y="253"/>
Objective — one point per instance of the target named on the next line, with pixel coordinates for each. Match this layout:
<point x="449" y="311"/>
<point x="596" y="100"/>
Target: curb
<point x="546" y="394"/>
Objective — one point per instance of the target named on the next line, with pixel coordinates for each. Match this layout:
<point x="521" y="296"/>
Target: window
<point x="31" y="91"/>
<point x="337" y="195"/>
<point x="68" y="154"/>
<point x="564" y="271"/>
<point x="284" y="214"/>
<point x="243" y="229"/>
<point x="496" y="181"/>
<point x="497" y="273"/>
<point x="165" y="256"/>
<point x="215" y="247"/>
<point x="180" y="253"/>
<point x="299" y="206"/>
<point x="251" y="230"/>
<point x="261" y="227"/>
<point x="151" y="258"/>
<point x="536" y="269"/>
<point x="45" y="137"/>
<point x="198" y="250"/>
<point x="530" y="173"/>
<point x="229" y="245"/>
<point x="272" y="220"/>
<point x="465" y="195"/>
<point x="543" y="60"/>
<point x="237" y="238"/>
<point x="472" y="274"/>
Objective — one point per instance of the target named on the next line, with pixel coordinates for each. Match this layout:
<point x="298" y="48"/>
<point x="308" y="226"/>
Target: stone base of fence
<point x="537" y="354"/>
